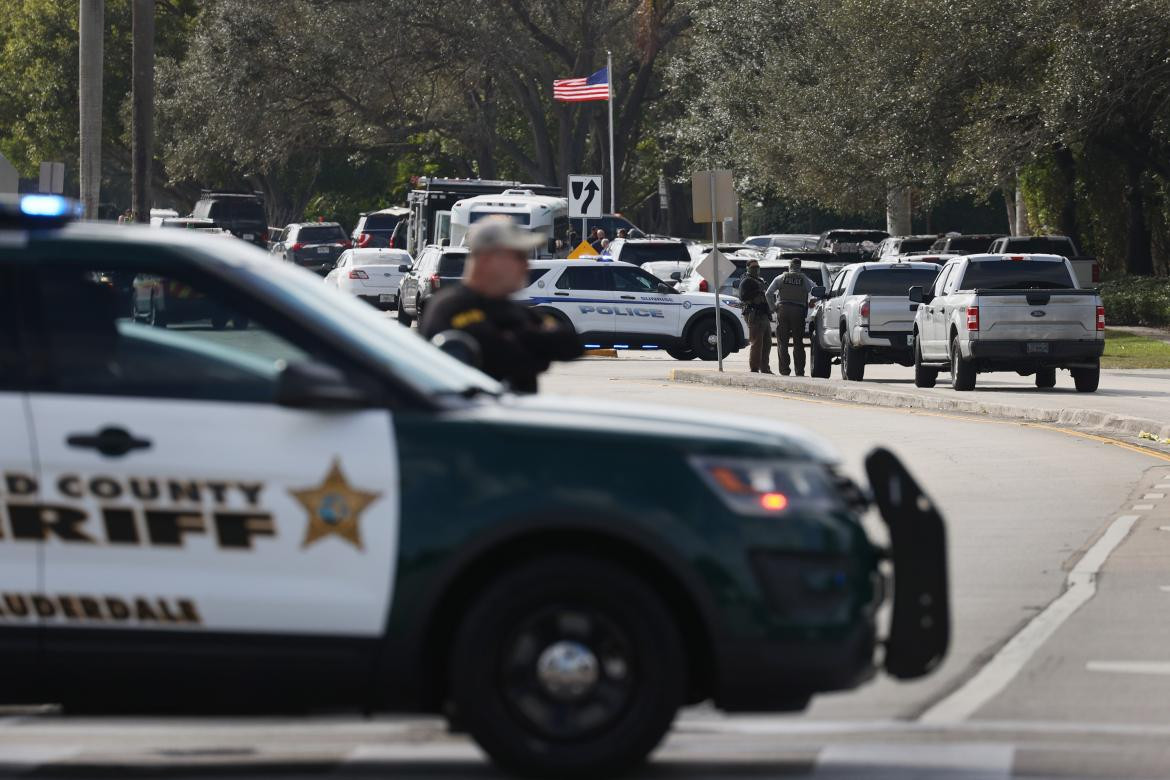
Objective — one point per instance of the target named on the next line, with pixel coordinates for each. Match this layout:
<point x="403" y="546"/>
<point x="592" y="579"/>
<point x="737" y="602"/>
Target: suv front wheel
<point x="568" y="666"/>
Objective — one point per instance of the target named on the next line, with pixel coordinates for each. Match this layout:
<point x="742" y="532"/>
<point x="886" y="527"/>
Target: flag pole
<point x="612" y="172"/>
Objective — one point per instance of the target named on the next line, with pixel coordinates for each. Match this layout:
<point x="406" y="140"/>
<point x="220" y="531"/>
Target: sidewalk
<point x="1127" y="403"/>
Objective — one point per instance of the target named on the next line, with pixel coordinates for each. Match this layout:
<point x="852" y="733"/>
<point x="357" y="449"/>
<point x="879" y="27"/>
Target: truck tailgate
<point x="1040" y="315"/>
<point x="891" y="313"/>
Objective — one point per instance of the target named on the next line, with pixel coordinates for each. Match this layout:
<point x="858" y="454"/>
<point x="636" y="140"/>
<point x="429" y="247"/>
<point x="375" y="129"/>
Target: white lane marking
<point x="902" y="761"/>
<point x="1164" y="528"/>
<point x="416" y="751"/>
<point x="1164" y="588"/>
<point x="1163" y="486"/>
<point x="1142" y="507"/>
<point x="1152" y="496"/>
<point x="785" y="725"/>
<point x="26" y="756"/>
<point x="989" y="681"/>
<point x="1130" y="667"/>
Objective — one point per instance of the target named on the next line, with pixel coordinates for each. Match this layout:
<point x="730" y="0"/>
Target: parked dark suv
<point x="241" y="214"/>
<point x="435" y="267"/>
<point x="313" y="245"/>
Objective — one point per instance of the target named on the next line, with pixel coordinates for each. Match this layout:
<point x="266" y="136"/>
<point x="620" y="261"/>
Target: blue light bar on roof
<point x="47" y="206"/>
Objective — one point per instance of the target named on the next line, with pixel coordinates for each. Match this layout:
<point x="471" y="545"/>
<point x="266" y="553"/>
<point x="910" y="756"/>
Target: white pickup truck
<point x="866" y="317"/>
<point x="1022" y="313"/>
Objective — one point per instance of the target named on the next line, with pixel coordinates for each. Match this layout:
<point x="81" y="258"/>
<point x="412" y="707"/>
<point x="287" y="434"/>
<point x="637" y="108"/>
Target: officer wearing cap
<point x="516" y="343"/>
<point x="788" y="293"/>
<point x="758" y="315"/>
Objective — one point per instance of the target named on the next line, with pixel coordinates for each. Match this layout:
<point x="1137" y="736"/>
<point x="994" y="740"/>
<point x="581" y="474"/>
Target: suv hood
<point x="700" y="429"/>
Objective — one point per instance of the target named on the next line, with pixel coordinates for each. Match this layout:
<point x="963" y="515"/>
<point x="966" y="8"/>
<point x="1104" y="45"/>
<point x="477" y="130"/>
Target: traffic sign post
<point x="585" y="200"/>
<point x="713" y="200"/>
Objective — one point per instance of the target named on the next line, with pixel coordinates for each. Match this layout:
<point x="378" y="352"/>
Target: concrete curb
<point x="1104" y="423"/>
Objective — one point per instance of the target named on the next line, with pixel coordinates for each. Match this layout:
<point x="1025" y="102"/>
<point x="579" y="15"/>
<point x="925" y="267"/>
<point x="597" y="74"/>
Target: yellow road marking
<point x="927" y="413"/>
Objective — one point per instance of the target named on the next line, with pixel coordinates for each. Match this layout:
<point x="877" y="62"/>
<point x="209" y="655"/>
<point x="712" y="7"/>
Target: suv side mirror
<point x="309" y="384"/>
<point x="677" y="276"/>
<point x="665" y="288"/>
<point x="461" y="346"/>
<point x="819" y="293"/>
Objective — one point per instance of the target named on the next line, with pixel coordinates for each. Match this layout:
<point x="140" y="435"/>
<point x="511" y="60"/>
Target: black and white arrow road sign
<point x="584" y="197"/>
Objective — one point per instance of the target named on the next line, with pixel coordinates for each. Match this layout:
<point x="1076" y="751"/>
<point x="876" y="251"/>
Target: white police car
<point x="262" y="520"/>
<point x="614" y="304"/>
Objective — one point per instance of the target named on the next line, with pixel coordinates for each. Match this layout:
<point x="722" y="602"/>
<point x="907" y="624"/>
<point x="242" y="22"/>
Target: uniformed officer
<point x="516" y="343"/>
<point x="788" y="293"/>
<point x="758" y="314"/>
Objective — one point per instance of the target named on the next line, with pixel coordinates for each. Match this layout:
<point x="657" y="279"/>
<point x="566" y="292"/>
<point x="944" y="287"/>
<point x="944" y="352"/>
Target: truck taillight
<point x="972" y="318"/>
<point x="364" y="239"/>
<point x="346" y="243"/>
<point x="702" y="285"/>
<point x="1100" y="318"/>
<point x="435" y="281"/>
<point x="298" y="245"/>
<point x="863" y="312"/>
<point x="358" y="274"/>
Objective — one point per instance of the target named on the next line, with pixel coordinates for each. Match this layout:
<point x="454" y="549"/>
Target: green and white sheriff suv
<point x="313" y="508"/>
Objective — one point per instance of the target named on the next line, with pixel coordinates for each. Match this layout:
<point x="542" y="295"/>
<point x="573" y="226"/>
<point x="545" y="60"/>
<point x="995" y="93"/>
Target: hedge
<point x="1136" y="300"/>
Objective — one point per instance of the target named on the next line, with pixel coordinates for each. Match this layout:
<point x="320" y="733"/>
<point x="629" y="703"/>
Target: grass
<point x="1128" y="350"/>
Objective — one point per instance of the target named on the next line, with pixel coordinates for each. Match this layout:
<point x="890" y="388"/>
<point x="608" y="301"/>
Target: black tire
<point x="852" y="361"/>
<point x="240" y="323"/>
<point x="1087" y="379"/>
<point x="583" y="607"/>
<point x="962" y="371"/>
<point x="156" y="316"/>
<point x="219" y="321"/>
<point x="403" y="317"/>
<point x="680" y="353"/>
<point x="1046" y="378"/>
<point x="702" y="339"/>
<point x="924" y="376"/>
<point x="820" y="361"/>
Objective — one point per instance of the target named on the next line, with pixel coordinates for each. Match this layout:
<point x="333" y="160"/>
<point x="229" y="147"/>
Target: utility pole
<point x="143" y="113"/>
<point x="91" y="31"/>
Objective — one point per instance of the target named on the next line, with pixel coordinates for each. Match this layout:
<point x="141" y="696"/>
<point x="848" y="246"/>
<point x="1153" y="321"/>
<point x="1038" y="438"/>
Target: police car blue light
<point x="47" y="206"/>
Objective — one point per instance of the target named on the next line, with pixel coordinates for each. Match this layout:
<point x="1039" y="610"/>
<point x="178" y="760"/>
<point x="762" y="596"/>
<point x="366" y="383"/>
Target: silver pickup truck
<point x="866" y="317"/>
<point x="1022" y="313"/>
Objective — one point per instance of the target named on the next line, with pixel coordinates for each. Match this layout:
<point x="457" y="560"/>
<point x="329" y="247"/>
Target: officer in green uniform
<point x="758" y="315"/>
<point x="788" y="293"/>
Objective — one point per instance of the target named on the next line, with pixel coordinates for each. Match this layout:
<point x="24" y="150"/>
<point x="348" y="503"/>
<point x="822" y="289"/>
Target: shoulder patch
<point x="469" y="317"/>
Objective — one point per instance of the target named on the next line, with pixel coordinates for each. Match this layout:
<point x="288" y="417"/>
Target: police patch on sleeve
<point x="335" y="508"/>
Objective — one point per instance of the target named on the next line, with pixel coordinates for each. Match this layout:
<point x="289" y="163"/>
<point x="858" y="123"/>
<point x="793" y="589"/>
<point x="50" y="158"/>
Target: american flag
<point x="596" y="87"/>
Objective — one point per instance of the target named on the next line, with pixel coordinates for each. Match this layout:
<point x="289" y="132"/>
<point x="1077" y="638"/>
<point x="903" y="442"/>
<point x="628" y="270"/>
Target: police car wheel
<point x="703" y="339"/>
<point x="679" y="353"/>
<point x="568" y="666"/>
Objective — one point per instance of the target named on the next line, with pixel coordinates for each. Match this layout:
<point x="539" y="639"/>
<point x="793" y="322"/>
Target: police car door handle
<point x="110" y="441"/>
<point x="628" y="298"/>
<point x="561" y="293"/>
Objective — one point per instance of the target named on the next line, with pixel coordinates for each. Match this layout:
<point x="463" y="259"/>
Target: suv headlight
<point x="756" y="487"/>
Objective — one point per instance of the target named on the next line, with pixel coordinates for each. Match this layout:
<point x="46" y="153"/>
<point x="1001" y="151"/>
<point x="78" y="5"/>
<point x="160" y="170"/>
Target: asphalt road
<point x="1038" y="683"/>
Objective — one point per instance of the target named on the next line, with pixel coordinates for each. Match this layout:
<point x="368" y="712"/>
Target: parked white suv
<point x="866" y="317"/>
<point x="1022" y="313"/>
<point x="660" y="256"/>
<point x="612" y="304"/>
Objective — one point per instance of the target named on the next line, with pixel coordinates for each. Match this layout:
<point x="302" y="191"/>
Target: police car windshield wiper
<point x="471" y="391"/>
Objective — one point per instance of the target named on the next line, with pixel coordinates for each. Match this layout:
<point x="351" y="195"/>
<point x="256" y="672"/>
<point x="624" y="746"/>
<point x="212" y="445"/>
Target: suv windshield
<point x="381" y="221"/>
<point x="326" y="234"/>
<point x="451" y="263"/>
<point x="964" y="245"/>
<point x="649" y="253"/>
<point x="1039" y="246"/>
<point x="1016" y="275"/>
<point x="915" y="245"/>
<point x="892" y="281"/>
<point x="238" y="209"/>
